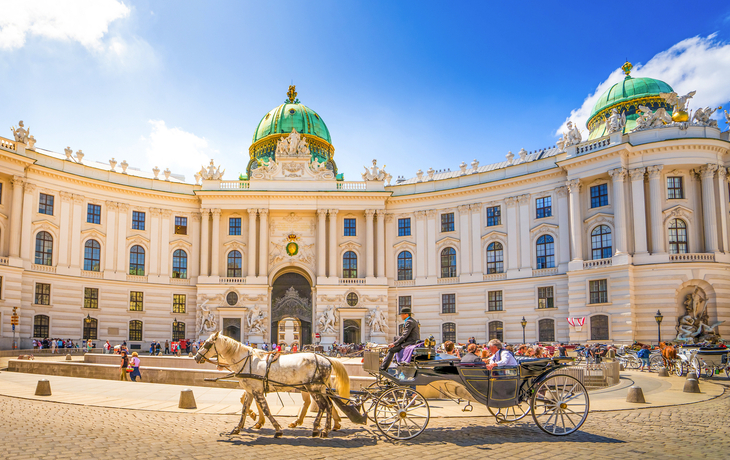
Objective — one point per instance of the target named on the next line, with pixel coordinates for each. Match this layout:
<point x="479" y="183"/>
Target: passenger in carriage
<point x="471" y="356"/>
<point x="500" y="357"/>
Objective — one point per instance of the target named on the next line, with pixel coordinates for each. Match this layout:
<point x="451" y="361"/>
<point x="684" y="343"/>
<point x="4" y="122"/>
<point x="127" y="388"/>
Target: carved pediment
<point x="404" y="245"/>
<point x="138" y="239"/>
<point x="350" y="245"/>
<point x="597" y="219"/>
<point x="181" y="242"/>
<point x="678" y="211"/>
<point x="545" y="227"/>
<point x="231" y="245"/>
<point x="93" y="232"/>
<point x="447" y="240"/>
<point x="46" y="224"/>
<point x="501" y="236"/>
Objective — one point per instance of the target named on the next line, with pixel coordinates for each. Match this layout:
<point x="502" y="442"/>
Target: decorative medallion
<point x="292" y="248"/>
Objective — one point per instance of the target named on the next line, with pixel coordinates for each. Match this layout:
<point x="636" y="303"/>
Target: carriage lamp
<point x="658" y="317"/>
<point x="524" y="323"/>
<point x="88" y="318"/>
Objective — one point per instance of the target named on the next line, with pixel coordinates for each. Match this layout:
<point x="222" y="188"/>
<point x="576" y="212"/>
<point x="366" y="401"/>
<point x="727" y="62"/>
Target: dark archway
<point x="291" y="297"/>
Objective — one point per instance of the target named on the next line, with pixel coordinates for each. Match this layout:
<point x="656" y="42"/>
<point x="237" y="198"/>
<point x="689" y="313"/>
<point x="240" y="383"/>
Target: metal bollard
<point x="187" y="400"/>
<point x="635" y="395"/>
<point x="663" y="372"/>
<point x="43" y="388"/>
<point x="691" y="385"/>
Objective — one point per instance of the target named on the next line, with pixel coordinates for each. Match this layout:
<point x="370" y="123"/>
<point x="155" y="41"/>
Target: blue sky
<point x="414" y="84"/>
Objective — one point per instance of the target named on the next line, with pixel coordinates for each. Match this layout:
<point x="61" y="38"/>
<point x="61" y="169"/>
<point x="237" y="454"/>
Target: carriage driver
<point x="500" y="356"/>
<point x="410" y="336"/>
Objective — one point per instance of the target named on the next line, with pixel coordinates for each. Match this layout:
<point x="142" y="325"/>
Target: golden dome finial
<point x="292" y="94"/>
<point x="627" y="68"/>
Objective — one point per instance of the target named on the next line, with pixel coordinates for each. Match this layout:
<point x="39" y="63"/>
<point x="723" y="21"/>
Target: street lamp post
<point x="524" y="323"/>
<point x="658" y="317"/>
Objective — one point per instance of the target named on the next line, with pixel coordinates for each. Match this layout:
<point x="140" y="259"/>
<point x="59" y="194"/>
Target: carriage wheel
<point x="510" y="414"/>
<point x="679" y="368"/>
<point x="401" y="413"/>
<point x="656" y="362"/>
<point x="727" y="372"/>
<point x="560" y="405"/>
<point x="709" y="372"/>
<point x="372" y="393"/>
<point x="696" y="368"/>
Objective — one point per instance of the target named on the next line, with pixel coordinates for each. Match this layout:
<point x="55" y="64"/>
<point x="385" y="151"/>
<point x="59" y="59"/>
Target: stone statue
<point x="727" y="118"/>
<point x="266" y="168"/>
<point x="649" y="119"/>
<point x="679" y="103"/>
<point x="20" y="134"/>
<point x="702" y="117"/>
<point x="256" y="321"/>
<point x="571" y="137"/>
<point x="211" y="173"/>
<point x="376" y="173"/>
<point x="694" y="326"/>
<point x="377" y="321"/>
<point x="615" y="122"/>
<point x="293" y="145"/>
<point x="327" y="320"/>
<point x="206" y="317"/>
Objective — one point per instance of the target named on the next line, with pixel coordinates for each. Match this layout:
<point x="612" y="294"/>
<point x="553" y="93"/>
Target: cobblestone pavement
<point x="37" y="429"/>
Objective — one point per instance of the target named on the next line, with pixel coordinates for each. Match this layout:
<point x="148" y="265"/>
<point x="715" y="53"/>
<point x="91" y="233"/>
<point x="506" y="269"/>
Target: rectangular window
<point x="675" y="191"/>
<point x="91" y="298"/>
<point x="178" y="303"/>
<point x="447" y="222"/>
<point x="494" y="216"/>
<point x="138" y="220"/>
<point x="350" y="227"/>
<point x="404" y="227"/>
<point x="136" y="301"/>
<point x="599" y="195"/>
<point x="45" y="204"/>
<point x="41" y="326"/>
<point x="181" y="225"/>
<point x="545" y="297"/>
<point x="494" y="302"/>
<point x="234" y="226"/>
<point x="42" y="294"/>
<point x="599" y="291"/>
<point x="544" y="207"/>
<point x="448" y="303"/>
<point x="93" y="213"/>
<point x="178" y="331"/>
<point x="448" y="332"/>
<point x="135" y="331"/>
<point x="404" y="301"/>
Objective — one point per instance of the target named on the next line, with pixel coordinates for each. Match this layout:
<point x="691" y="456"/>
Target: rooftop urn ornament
<point x="430" y="173"/>
<point x="69" y="153"/>
<point x="462" y="167"/>
<point x="31" y="142"/>
<point x="474" y="166"/>
<point x="113" y="163"/>
<point x="156" y="172"/>
<point x="523" y="154"/>
<point x="124" y="166"/>
<point x="419" y="174"/>
<point x="20" y="134"/>
<point x="627" y="68"/>
<point x="79" y="156"/>
<point x="679" y="105"/>
<point x="197" y="178"/>
<point x="510" y="156"/>
<point x="167" y="173"/>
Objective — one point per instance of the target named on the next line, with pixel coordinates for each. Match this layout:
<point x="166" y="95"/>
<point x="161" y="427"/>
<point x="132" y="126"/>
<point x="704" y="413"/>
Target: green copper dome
<point x="292" y="115"/>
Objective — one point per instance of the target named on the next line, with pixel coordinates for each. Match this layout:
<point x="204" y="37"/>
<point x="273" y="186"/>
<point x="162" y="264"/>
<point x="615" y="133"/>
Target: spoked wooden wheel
<point x="510" y="414"/>
<point x="560" y="405"/>
<point x="679" y="368"/>
<point x="401" y="413"/>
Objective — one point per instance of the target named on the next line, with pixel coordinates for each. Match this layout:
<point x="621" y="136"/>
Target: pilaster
<point x="708" y="207"/>
<point x="420" y="268"/>
<point x="655" y="210"/>
<point x="513" y="239"/>
<point x="251" y="271"/>
<point x="111" y="242"/>
<point x="122" y="251"/>
<point x="723" y="189"/>
<point x="380" y="246"/>
<point x="154" y="254"/>
<point x="563" y="228"/>
<point x="65" y="230"/>
<point x="16" y="213"/>
<point x="263" y="244"/>
<point x="476" y="242"/>
<point x="333" y="267"/>
<point x="321" y="244"/>
<point x="75" y="266"/>
<point x="618" y="176"/>
<point x="431" y="245"/>
<point x="215" y="247"/>
<point x="639" y="210"/>
<point x="525" y="243"/>
<point x="26" y="241"/>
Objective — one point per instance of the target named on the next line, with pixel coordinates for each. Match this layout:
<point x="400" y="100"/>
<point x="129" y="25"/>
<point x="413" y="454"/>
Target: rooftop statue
<point x="212" y="173"/>
<point x="615" y="122"/>
<point x="727" y="117"/>
<point x="679" y="104"/>
<point x="266" y="169"/>
<point x="294" y="145"/>
<point x="571" y="137"/>
<point x="376" y="173"/>
<point x="702" y="117"/>
<point x="20" y="134"/>
<point x="649" y="119"/>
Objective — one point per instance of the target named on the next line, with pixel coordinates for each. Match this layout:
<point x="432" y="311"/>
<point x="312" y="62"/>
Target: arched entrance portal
<point x="291" y="299"/>
<point x="351" y="331"/>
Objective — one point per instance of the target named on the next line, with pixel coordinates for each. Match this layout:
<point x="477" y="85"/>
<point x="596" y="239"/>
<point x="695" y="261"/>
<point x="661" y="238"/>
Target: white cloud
<point x="82" y="21"/>
<point x="695" y="63"/>
<point x="174" y="148"/>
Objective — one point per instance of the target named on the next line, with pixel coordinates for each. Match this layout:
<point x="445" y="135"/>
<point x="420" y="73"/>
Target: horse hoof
<point x="293" y="425"/>
<point x="323" y="434"/>
<point x="315" y="434"/>
<point x="257" y="427"/>
<point x="336" y="427"/>
<point x="278" y="434"/>
<point x="236" y="431"/>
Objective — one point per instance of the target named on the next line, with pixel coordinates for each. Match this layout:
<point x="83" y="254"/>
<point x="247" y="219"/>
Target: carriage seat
<point x="421" y="353"/>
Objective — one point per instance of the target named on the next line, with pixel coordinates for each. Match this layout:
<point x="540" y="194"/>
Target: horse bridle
<point x="208" y="345"/>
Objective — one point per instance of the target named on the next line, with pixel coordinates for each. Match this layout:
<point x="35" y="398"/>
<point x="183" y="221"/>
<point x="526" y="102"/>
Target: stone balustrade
<point x="92" y="274"/>
<point x="448" y="280"/>
<point x="43" y="268"/>
<point x="693" y="257"/>
<point x="137" y="278"/>
<point x="232" y="280"/>
<point x="597" y="263"/>
<point x="495" y="277"/>
<point x="352" y="280"/>
<point x="545" y="271"/>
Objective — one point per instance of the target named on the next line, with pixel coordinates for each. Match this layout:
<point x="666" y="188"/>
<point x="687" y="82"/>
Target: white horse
<point x="306" y="371"/>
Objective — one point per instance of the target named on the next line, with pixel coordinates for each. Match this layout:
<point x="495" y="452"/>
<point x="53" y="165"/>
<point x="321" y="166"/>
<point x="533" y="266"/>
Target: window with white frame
<point x="448" y="303"/>
<point x="494" y="301"/>
<point x="546" y="330"/>
<point x="598" y="290"/>
<point x="599" y="327"/>
<point x="448" y="332"/>
<point x="545" y="297"/>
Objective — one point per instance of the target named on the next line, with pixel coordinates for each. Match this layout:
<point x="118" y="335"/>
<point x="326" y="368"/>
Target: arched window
<point x="43" y="248"/>
<point x="546" y="330"/>
<point x="136" y="261"/>
<point x="677" y="237"/>
<point x="180" y="264"/>
<point x="349" y="265"/>
<point x="405" y="266"/>
<point x="235" y="265"/>
<point x="178" y="331"/>
<point x="601" y="242"/>
<point x="92" y="256"/>
<point x="599" y="327"/>
<point x="448" y="263"/>
<point x="90" y="328"/>
<point x="495" y="258"/>
<point x="40" y="326"/>
<point x="545" y="252"/>
<point x="448" y="332"/>
<point x="496" y="331"/>
<point x="135" y="330"/>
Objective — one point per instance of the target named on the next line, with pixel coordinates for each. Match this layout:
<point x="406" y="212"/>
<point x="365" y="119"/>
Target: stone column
<point x="708" y="206"/>
<point x="204" y="241"/>
<point x="563" y="227"/>
<point x="420" y="267"/>
<point x="195" y="256"/>
<point x="16" y="213"/>
<point x="64" y="237"/>
<point x="576" y="220"/>
<point x="166" y="215"/>
<point x="25" y="243"/>
<point x="122" y="253"/>
<point x="380" y="246"/>
<point x="78" y="215"/>
<point x="321" y="242"/>
<point x="111" y="243"/>
<point x="525" y="245"/>
<point x="332" y="271"/>
<point x="369" y="243"/>
<point x="388" y="248"/>
<point x="694" y="193"/>
<point x="513" y="237"/>
<point x="433" y="272"/>
<point x="252" y="242"/>
<point x="476" y="239"/>
<point x="154" y="255"/>
<point x="215" y="246"/>
<point x="639" y="210"/>
<point x="465" y="253"/>
<point x="655" y="209"/>
<point x="619" y="214"/>
<point x="264" y="242"/>
<point x="723" y="188"/>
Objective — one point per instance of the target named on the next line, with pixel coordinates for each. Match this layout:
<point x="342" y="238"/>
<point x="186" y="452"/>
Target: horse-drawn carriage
<point x="705" y="360"/>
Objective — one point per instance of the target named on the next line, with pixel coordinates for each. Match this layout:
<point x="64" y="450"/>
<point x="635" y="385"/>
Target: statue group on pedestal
<point x="327" y="320"/>
<point x="256" y="320"/>
<point x="377" y="321"/>
<point x="694" y="326"/>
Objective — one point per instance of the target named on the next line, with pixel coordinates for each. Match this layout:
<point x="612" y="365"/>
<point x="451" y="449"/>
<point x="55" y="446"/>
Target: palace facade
<point x="581" y="242"/>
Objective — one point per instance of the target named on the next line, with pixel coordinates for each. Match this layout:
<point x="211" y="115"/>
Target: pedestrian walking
<point x="167" y="347"/>
<point x="134" y="362"/>
<point x="123" y="367"/>
<point x="644" y="354"/>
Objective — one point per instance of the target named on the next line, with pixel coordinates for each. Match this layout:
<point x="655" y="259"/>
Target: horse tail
<point x="342" y="380"/>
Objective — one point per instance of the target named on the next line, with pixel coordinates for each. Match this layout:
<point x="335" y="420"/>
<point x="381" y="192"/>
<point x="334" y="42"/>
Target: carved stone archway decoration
<point x="291" y="305"/>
